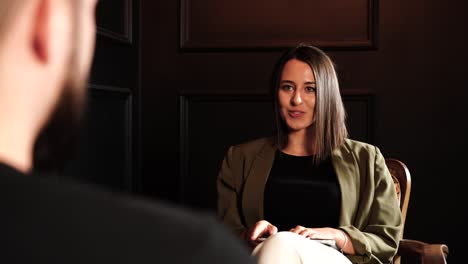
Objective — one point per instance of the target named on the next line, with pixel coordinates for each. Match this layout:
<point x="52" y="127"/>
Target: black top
<point x="43" y="221"/>
<point x="299" y="192"/>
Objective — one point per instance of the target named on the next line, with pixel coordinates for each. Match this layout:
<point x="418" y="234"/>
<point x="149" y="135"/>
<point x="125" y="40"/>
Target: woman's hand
<point x="261" y="229"/>
<point x="342" y="239"/>
<point x="317" y="233"/>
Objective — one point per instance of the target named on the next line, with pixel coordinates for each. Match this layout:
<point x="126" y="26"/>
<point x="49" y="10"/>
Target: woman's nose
<point x="296" y="98"/>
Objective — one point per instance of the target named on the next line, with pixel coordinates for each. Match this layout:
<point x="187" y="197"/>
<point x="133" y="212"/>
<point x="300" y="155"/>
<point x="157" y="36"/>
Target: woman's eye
<point x="287" y="87"/>
<point x="311" y="89"/>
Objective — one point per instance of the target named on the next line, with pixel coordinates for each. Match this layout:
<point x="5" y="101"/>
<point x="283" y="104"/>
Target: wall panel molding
<point x="199" y="108"/>
<point x="114" y="20"/>
<point x="228" y="119"/>
<point x="111" y="89"/>
<point x="274" y="24"/>
<point x="108" y="126"/>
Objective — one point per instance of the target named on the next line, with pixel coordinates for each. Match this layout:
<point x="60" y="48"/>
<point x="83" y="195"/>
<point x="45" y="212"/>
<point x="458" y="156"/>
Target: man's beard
<point x="57" y="141"/>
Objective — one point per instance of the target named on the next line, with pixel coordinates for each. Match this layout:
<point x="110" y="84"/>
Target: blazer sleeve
<point x="378" y="240"/>
<point x="228" y="185"/>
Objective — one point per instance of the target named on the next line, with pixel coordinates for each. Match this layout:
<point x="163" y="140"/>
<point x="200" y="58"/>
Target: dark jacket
<point x="42" y="221"/>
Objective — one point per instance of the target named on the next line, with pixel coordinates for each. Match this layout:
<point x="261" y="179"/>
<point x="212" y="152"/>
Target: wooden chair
<point x="426" y="253"/>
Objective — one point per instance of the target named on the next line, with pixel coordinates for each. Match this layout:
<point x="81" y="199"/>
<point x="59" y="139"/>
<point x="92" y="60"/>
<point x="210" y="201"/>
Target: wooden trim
<point x="187" y="44"/>
<point x="109" y="88"/>
<point x="125" y="37"/>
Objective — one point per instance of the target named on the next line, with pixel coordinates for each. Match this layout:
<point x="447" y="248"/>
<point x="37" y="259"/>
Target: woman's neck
<point x="300" y="143"/>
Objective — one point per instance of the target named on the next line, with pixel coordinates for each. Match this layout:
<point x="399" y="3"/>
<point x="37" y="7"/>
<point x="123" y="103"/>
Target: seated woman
<point x="309" y="180"/>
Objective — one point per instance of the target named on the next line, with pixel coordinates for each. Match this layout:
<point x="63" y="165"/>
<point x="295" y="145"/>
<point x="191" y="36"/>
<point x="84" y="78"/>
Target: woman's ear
<point x="41" y="30"/>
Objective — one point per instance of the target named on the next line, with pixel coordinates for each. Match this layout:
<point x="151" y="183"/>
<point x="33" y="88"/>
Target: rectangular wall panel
<point x="359" y="116"/>
<point x="212" y="24"/>
<point x="104" y="154"/>
<point x="209" y="124"/>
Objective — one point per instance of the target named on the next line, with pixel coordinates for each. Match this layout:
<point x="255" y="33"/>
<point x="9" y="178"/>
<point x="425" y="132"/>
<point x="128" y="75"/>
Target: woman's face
<point x="296" y="95"/>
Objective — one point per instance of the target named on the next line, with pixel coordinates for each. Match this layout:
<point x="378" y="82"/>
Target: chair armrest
<point x="429" y="253"/>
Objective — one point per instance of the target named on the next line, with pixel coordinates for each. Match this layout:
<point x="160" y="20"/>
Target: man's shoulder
<point x="106" y="226"/>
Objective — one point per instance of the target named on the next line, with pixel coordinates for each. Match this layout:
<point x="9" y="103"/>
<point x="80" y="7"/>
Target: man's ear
<point x="40" y="30"/>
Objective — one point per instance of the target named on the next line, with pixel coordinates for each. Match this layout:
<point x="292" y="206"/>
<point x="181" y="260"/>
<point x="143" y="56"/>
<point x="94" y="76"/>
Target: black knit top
<point x="299" y="192"/>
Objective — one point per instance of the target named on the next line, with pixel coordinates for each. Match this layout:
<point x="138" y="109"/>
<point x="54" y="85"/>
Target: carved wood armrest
<point x="429" y="253"/>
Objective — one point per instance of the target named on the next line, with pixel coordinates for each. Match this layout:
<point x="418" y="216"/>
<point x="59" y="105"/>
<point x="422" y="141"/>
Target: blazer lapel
<point x="252" y="201"/>
<point x="347" y="172"/>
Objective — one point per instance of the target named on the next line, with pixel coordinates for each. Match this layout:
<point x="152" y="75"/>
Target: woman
<point x="310" y="181"/>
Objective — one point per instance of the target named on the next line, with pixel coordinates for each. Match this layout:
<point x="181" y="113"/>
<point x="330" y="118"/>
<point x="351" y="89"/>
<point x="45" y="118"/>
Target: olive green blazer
<point x="369" y="207"/>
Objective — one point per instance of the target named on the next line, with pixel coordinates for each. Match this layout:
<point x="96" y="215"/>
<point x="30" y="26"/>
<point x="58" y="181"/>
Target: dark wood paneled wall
<point x="108" y="151"/>
<point x="205" y="69"/>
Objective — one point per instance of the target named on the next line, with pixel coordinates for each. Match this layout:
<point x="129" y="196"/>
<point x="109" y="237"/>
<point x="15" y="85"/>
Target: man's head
<point x="46" y="47"/>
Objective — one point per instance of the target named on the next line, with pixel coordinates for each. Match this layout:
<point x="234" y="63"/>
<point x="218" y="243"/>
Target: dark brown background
<point x="175" y="83"/>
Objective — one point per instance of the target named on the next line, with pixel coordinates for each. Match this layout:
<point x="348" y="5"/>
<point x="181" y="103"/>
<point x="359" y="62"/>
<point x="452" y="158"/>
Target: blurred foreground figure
<point x="46" y="49"/>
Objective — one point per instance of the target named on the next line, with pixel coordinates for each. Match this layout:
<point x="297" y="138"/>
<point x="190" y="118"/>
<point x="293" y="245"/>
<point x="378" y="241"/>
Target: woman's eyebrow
<point x="289" y="81"/>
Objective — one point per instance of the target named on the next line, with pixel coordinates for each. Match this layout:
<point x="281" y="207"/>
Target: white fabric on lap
<point x="291" y="248"/>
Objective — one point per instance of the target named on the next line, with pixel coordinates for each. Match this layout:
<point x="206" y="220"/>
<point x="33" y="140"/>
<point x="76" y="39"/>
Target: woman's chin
<point x="295" y="127"/>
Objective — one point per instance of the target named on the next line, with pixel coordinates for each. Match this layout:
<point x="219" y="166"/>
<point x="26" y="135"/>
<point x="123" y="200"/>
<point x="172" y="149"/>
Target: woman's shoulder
<point x="256" y="144"/>
<point x="356" y="146"/>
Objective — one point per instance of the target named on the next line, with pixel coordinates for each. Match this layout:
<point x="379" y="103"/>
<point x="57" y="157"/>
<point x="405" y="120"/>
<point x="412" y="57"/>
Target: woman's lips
<point x="295" y="114"/>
